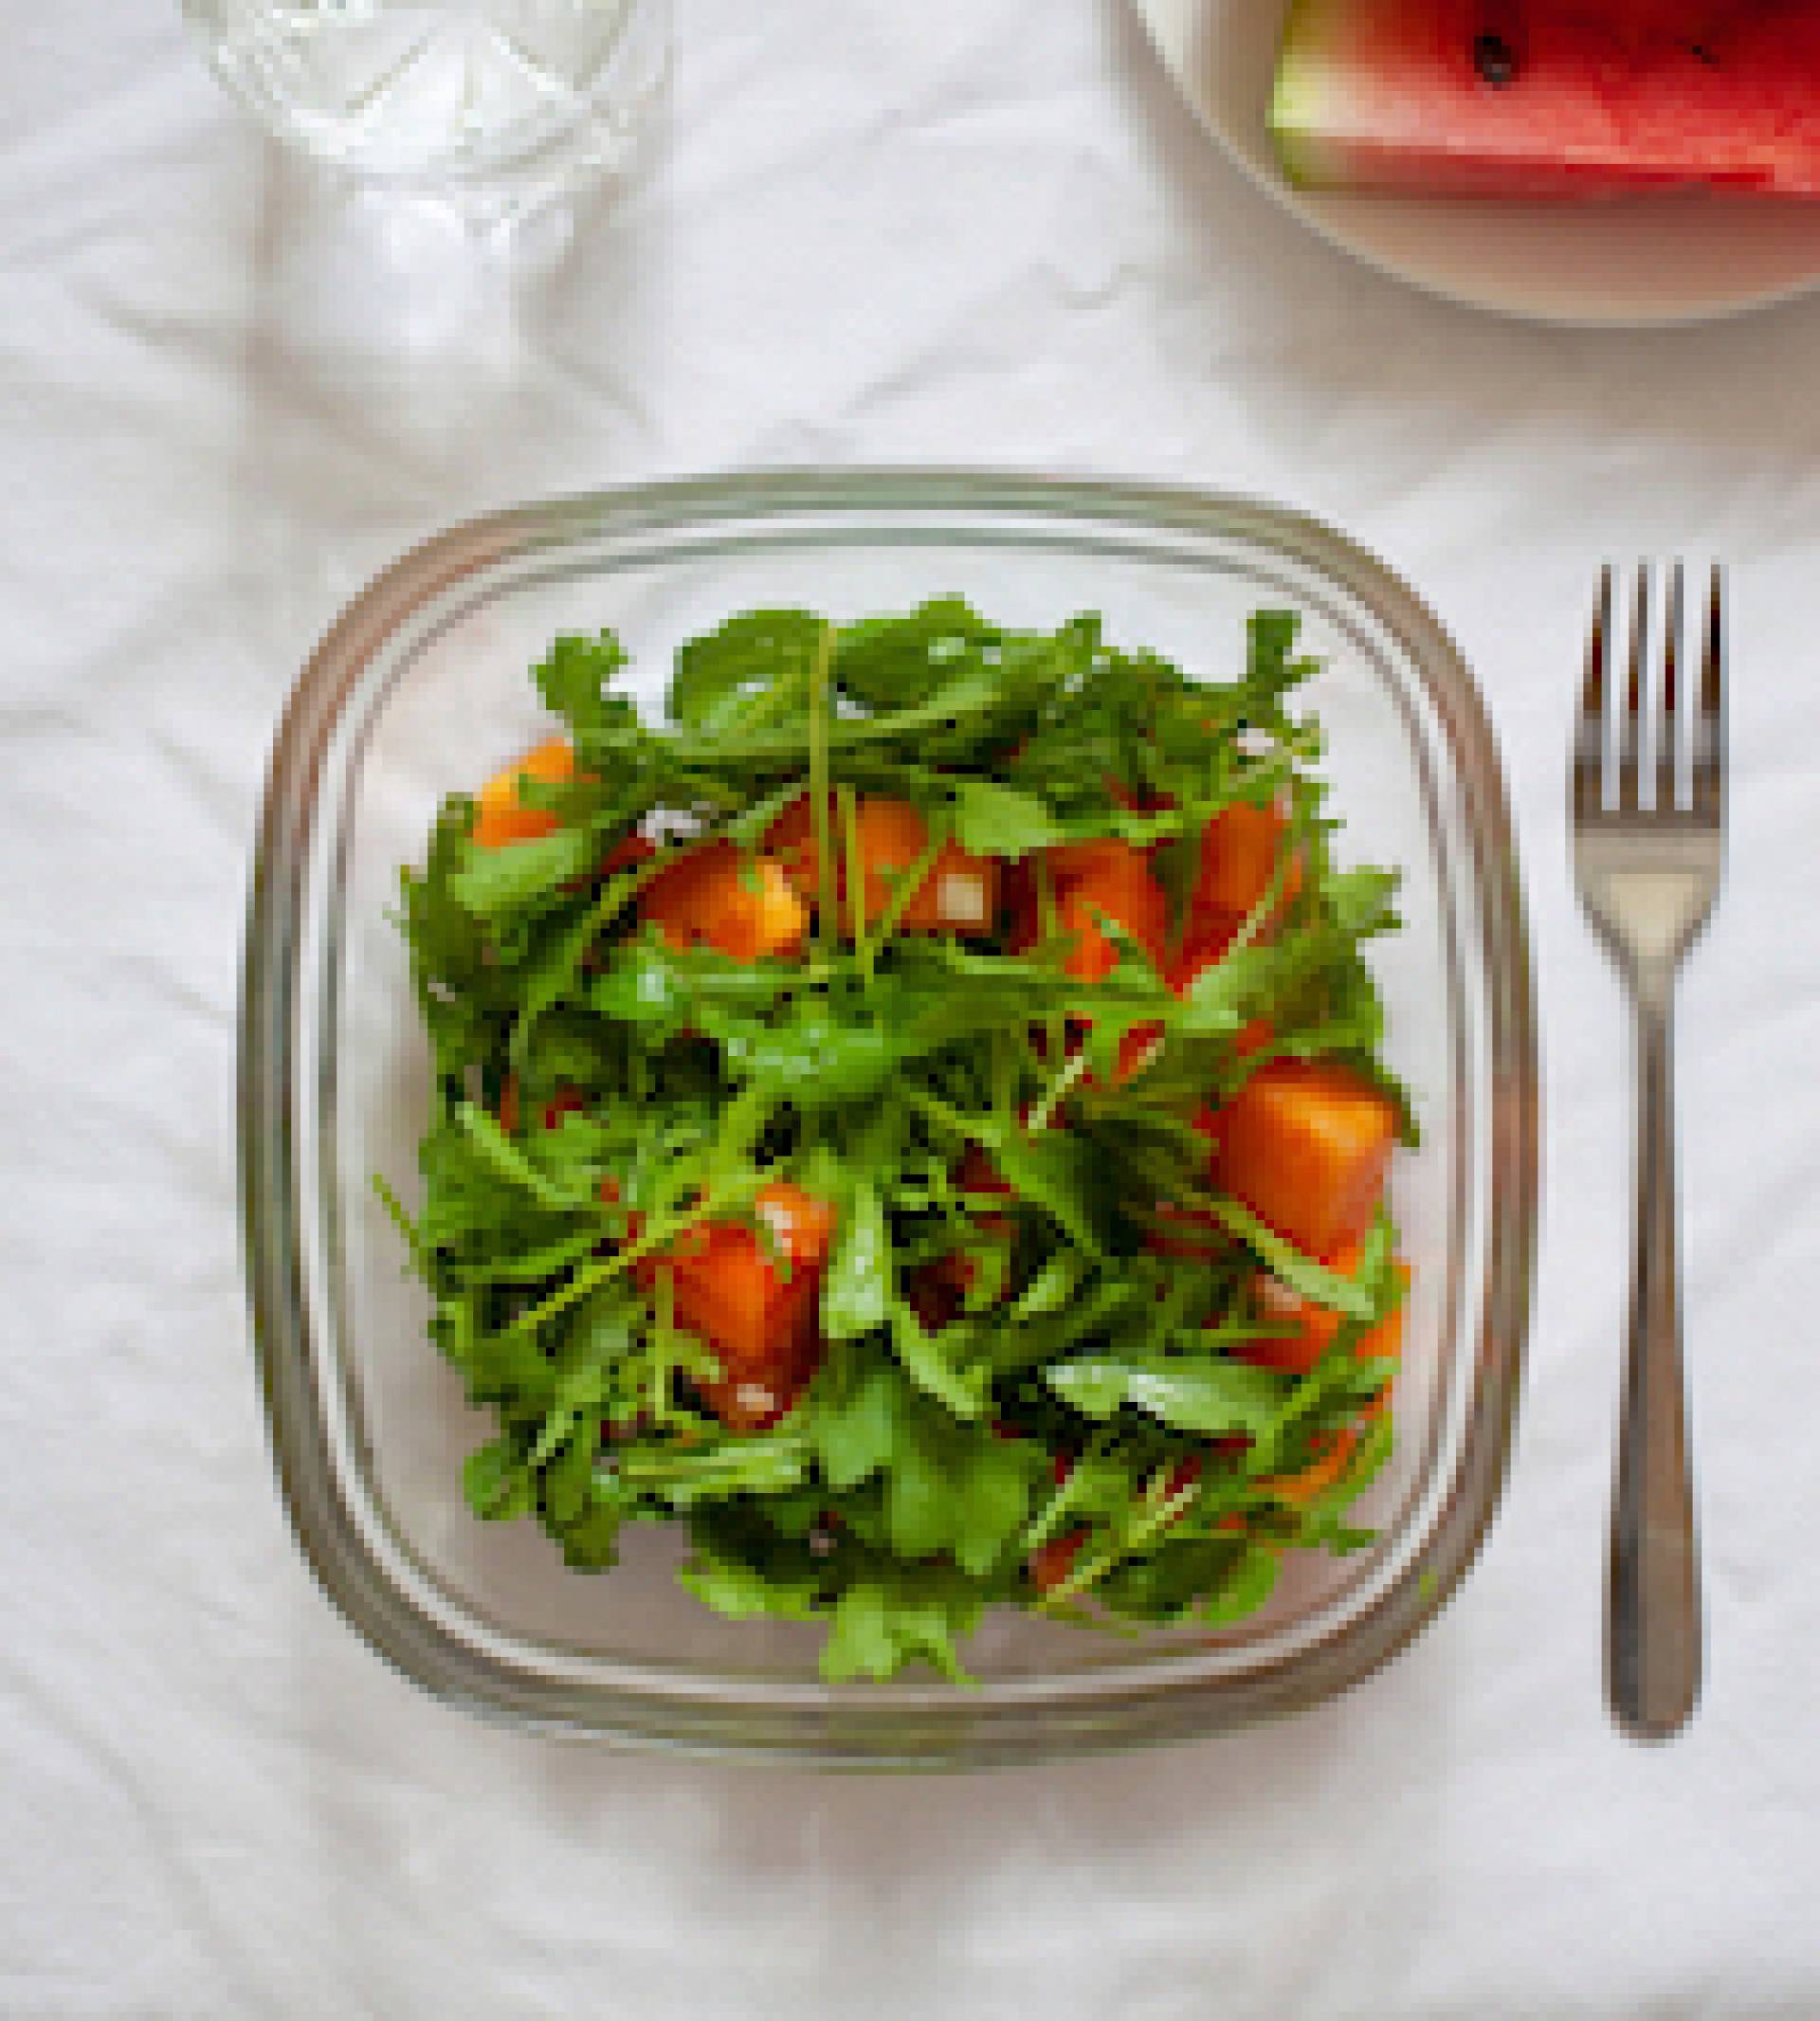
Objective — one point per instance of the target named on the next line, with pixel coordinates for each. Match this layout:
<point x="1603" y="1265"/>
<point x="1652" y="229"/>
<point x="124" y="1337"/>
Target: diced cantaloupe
<point x="501" y="816"/>
<point x="958" y="893"/>
<point x="1306" y="1146"/>
<point x="746" y="907"/>
<point x="753" y="1300"/>
<point x="1240" y="851"/>
<point x="1095" y="881"/>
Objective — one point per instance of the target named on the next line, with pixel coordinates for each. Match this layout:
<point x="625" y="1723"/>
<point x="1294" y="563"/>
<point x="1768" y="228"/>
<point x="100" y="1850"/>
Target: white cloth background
<point x="967" y="231"/>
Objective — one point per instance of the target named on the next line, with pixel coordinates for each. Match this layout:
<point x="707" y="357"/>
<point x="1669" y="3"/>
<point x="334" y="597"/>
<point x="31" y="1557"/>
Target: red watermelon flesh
<point x="1555" y="98"/>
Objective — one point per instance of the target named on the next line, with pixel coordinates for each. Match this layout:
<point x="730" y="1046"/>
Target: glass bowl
<point x="421" y="687"/>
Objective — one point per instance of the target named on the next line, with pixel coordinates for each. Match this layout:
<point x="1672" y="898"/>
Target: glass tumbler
<point x="495" y="105"/>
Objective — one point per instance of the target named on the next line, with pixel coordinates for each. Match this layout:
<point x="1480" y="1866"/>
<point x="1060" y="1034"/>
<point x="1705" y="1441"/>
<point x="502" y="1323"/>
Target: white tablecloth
<point x="968" y="230"/>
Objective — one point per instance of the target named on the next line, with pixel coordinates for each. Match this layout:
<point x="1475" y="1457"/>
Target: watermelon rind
<point x="1301" y="100"/>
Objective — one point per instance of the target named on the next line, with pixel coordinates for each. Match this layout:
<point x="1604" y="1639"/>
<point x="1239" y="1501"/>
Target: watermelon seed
<point x="1494" y="59"/>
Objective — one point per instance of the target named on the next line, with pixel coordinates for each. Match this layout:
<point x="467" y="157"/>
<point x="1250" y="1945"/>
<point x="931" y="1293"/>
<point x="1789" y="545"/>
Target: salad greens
<point x="1031" y="1357"/>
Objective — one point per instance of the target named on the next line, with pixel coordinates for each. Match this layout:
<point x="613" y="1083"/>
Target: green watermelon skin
<point x="1601" y="97"/>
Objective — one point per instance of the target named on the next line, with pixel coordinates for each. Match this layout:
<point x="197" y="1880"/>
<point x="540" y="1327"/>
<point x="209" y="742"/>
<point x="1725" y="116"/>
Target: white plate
<point x="1631" y="261"/>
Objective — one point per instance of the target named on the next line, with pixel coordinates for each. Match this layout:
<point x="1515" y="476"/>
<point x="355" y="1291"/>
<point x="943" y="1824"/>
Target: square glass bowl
<point x="421" y="689"/>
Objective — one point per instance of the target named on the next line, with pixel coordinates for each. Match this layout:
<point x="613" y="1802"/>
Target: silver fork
<point x="1647" y="877"/>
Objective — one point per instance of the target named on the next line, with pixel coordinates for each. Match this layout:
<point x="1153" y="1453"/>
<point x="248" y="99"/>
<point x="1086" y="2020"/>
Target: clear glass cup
<point x="495" y="105"/>
<point x="421" y="687"/>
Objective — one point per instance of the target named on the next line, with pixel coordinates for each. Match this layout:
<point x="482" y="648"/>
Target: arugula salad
<point x="914" y="1118"/>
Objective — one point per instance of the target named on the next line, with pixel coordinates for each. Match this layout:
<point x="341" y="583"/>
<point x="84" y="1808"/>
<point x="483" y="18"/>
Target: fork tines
<point x="1646" y="720"/>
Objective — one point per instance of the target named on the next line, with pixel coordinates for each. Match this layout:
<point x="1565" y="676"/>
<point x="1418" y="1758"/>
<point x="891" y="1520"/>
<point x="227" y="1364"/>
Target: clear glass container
<point x="494" y="105"/>
<point x="421" y="689"/>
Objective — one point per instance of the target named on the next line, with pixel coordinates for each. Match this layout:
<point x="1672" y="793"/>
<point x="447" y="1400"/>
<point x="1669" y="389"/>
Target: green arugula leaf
<point x="495" y="1483"/>
<point x="861" y="1641"/>
<point x="575" y="676"/>
<point x="1204" y="1396"/>
<point x="1053" y="1286"/>
<point x="811" y="1053"/>
<point x="888" y="663"/>
<point x="492" y="883"/>
<point x="1056" y="1171"/>
<point x="1247" y="1587"/>
<point x="742" y="1592"/>
<point x="891" y="1616"/>
<point x="926" y="1359"/>
<point x="858" y="1295"/>
<point x="855" y="1428"/>
<point x="747" y="670"/>
<point x="995" y="820"/>
<point x="590" y="1541"/>
<point x="508" y="1161"/>
<point x="994" y="1482"/>
<point x="916" y="1507"/>
<point x="1302" y="1273"/>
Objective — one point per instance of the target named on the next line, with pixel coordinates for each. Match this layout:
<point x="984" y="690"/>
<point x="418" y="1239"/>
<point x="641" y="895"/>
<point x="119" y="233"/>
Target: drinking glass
<point x="495" y="105"/>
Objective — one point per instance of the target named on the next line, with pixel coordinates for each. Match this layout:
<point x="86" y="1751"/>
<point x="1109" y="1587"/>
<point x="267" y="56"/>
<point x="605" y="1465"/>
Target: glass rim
<point x="1002" y="1721"/>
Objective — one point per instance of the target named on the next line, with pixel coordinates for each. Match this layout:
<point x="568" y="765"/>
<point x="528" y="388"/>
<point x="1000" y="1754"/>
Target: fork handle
<point x="1652" y="1626"/>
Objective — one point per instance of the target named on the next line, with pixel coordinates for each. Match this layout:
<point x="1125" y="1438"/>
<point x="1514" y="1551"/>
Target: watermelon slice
<point x="1550" y="98"/>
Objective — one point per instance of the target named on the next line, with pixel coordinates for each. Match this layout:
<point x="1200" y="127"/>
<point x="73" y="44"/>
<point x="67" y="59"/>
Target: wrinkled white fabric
<point x="970" y="230"/>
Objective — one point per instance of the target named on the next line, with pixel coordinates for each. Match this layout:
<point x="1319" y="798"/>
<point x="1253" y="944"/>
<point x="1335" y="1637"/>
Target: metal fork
<point x="1647" y="877"/>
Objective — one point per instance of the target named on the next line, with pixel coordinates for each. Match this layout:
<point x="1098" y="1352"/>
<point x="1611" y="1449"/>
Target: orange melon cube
<point x="1108" y="880"/>
<point x="712" y="897"/>
<point x="1306" y="1146"/>
<point x="501" y="816"/>
<point x="753" y="1303"/>
<point x="1240" y="848"/>
<point x="957" y="894"/>
<point x="960" y="892"/>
